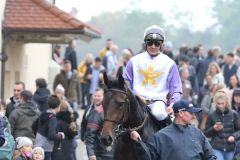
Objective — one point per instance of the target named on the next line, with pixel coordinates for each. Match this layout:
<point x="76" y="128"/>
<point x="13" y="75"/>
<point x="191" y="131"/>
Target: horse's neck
<point x="137" y="115"/>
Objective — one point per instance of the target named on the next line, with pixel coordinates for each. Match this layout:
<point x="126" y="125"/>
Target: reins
<point x="120" y="130"/>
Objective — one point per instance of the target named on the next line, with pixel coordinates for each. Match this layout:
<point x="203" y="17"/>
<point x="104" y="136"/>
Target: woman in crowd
<point x="82" y="68"/>
<point x="233" y="84"/>
<point x="215" y="71"/>
<point x="236" y="100"/>
<point x="223" y="127"/>
<point x="208" y="105"/>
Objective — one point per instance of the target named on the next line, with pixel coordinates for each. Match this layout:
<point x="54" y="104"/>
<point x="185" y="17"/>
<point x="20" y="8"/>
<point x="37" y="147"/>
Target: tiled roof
<point x="40" y="15"/>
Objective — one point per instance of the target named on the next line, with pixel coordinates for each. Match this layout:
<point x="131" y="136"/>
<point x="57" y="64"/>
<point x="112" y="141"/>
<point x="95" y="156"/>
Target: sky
<point x="200" y="9"/>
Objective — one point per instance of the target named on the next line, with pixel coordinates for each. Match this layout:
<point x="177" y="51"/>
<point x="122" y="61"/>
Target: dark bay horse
<point x="123" y="113"/>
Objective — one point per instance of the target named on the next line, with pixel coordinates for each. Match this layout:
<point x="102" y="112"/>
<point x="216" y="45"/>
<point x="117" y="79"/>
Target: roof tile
<point x="39" y="14"/>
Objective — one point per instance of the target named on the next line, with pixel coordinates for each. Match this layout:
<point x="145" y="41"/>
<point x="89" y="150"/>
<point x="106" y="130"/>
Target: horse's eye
<point x="120" y="103"/>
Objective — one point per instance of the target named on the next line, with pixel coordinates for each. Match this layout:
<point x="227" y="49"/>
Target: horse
<point x="124" y="112"/>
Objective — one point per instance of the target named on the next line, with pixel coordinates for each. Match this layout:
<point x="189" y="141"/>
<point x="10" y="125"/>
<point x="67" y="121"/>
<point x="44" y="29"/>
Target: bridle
<point x="120" y="130"/>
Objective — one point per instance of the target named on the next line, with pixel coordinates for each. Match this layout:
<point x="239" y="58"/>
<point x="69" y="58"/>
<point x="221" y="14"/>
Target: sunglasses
<point x="156" y="43"/>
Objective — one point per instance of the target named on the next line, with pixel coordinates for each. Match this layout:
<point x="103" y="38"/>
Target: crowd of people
<point x="42" y="125"/>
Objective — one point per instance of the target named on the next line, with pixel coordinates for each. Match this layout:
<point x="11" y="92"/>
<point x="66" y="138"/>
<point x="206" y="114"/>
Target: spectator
<point x="6" y="138"/>
<point x="2" y="139"/>
<point x="205" y="89"/>
<point x="38" y="153"/>
<point x="24" y="149"/>
<point x="168" y="49"/>
<point x="217" y="53"/>
<point x="223" y="127"/>
<point x="22" y="118"/>
<point x="2" y="108"/>
<point x="186" y="85"/>
<point x="41" y="94"/>
<point x="229" y="68"/>
<point x="83" y="129"/>
<point x="45" y="127"/>
<point x="71" y="55"/>
<point x="180" y="140"/>
<point x="216" y="73"/>
<point x="70" y="82"/>
<point x="193" y="56"/>
<point x="19" y="86"/>
<point x="82" y="69"/>
<point x="66" y="124"/>
<point x="60" y="92"/>
<point x="56" y="55"/>
<point x="208" y="105"/>
<point x="233" y="84"/>
<point x="183" y="50"/>
<point x="104" y="51"/>
<point x="111" y="65"/>
<point x="95" y="149"/>
<point x="203" y="67"/>
<point x="95" y="77"/>
<point x="126" y="55"/>
<point x="236" y="100"/>
<point x="184" y="61"/>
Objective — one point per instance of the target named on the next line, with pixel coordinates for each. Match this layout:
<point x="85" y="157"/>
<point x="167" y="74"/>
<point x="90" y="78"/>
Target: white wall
<point x="2" y="6"/>
<point x="26" y="63"/>
<point x="37" y="61"/>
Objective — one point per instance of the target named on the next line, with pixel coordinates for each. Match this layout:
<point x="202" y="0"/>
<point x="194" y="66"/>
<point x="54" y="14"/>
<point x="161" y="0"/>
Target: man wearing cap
<point x="180" y="140"/>
<point x="152" y="75"/>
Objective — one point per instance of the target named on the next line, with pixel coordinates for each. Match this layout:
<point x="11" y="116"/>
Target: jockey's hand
<point x="169" y="109"/>
<point x="135" y="136"/>
<point x="143" y="99"/>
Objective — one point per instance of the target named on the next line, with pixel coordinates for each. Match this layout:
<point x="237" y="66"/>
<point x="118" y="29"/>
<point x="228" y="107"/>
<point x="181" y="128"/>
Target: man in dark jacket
<point x="179" y="140"/>
<point x="22" y="118"/>
<point x="203" y="66"/>
<point x="95" y="149"/>
<point x="229" y="68"/>
<point x="41" y="94"/>
<point x="70" y="82"/>
<point x="71" y="55"/>
<point x="19" y="86"/>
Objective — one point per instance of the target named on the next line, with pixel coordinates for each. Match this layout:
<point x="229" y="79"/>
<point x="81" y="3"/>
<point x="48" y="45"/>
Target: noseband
<point x="120" y="130"/>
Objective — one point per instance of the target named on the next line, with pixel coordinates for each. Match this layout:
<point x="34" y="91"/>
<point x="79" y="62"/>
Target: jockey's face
<point x="153" y="47"/>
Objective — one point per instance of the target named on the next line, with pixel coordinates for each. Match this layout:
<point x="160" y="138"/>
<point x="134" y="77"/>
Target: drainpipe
<point x="3" y="59"/>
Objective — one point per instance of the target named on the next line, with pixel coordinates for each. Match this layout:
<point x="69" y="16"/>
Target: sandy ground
<point x="79" y="150"/>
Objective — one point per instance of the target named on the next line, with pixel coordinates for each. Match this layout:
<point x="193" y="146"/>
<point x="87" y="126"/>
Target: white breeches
<point x="158" y="110"/>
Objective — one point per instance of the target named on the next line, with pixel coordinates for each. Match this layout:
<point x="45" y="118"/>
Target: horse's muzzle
<point x="107" y="140"/>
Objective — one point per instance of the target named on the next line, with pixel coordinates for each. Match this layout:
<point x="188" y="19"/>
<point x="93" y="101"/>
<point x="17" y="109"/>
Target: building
<point x="29" y="28"/>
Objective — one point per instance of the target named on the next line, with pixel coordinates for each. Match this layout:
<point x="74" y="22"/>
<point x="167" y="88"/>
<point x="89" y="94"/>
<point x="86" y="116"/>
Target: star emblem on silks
<point x="150" y="76"/>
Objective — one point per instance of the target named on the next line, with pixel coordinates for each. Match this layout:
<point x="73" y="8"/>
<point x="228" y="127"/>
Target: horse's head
<point x="116" y="106"/>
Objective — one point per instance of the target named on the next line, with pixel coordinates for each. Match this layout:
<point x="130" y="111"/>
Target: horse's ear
<point x="121" y="80"/>
<point x="105" y="79"/>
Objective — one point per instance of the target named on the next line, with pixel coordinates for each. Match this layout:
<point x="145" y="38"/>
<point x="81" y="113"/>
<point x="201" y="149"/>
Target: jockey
<point x="152" y="75"/>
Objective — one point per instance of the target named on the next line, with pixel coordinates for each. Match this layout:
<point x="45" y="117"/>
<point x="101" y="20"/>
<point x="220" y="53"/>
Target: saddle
<point x="160" y="124"/>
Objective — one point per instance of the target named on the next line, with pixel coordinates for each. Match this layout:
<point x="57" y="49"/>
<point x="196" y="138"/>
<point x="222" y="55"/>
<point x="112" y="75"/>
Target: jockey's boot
<point x="167" y="121"/>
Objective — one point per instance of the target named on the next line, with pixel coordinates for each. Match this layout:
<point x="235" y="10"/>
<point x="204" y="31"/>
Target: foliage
<point x="127" y="28"/>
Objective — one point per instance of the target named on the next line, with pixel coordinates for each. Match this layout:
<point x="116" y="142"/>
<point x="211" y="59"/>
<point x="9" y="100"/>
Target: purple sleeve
<point x="128" y="74"/>
<point x="174" y="84"/>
